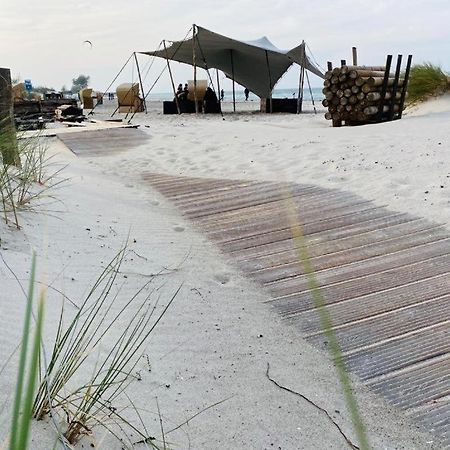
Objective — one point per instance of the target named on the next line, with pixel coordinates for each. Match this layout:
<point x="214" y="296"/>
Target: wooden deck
<point x="384" y="276"/>
<point x="103" y="142"/>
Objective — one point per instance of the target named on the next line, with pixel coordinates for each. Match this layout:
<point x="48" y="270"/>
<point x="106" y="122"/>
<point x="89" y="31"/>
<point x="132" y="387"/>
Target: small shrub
<point x="426" y="80"/>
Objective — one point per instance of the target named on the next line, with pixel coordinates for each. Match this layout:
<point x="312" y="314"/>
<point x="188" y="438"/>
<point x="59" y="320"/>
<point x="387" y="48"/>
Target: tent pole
<point x="301" y="81"/>
<point x="310" y="92"/>
<point x="194" y="63"/>
<point x="218" y="89"/>
<point x="171" y="79"/>
<point x="232" y="77"/>
<point x="300" y="91"/>
<point x="140" y="82"/>
<point x="270" y="82"/>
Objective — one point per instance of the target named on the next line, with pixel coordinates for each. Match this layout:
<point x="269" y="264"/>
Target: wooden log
<point x="335" y="101"/>
<point x="359" y="81"/>
<point x="371" y="110"/>
<point x="329" y="95"/>
<point x="355" y="89"/>
<point x="334" y="88"/>
<point x="375" y="68"/>
<point x="375" y="96"/>
<point x="343" y="101"/>
<point x="327" y="83"/>
<point x="347" y="92"/>
<point x="340" y="108"/>
<point x="328" y="116"/>
<point x="328" y="74"/>
<point x="334" y="79"/>
<point x="360" y="96"/>
<point x="325" y="102"/>
<point x="353" y="74"/>
<point x="378" y="81"/>
<point x="372" y="73"/>
<point x="336" y="71"/>
<point x="332" y="109"/>
<point x="366" y="88"/>
<point x="342" y="77"/>
<point x="340" y="93"/>
<point x="353" y="100"/>
<point x="349" y="108"/>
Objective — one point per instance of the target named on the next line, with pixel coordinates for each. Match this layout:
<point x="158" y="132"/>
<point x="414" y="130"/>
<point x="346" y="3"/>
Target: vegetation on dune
<point x="25" y="183"/>
<point x="97" y="396"/>
<point x="426" y="80"/>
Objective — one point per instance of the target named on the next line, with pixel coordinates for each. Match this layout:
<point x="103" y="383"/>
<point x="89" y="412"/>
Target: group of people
<point x="182" y="93"/>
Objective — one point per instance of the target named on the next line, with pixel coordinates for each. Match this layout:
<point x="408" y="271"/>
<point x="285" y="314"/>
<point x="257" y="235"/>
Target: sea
<point x="277" y="93"/>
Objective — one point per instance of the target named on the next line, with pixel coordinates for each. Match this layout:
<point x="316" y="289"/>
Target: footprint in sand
<point x="178" y="229"/>
<point x="222" y="278"/>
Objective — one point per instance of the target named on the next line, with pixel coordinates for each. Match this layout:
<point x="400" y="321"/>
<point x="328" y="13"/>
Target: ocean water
<point x="228" y="97"/>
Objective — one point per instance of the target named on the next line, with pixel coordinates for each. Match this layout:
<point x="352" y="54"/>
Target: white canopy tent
<point x="256" y="65"/>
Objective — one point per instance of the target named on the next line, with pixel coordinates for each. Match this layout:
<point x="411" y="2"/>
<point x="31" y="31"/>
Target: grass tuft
<point x="425" y="81"/>
<point x="75" y="349"/>
<point x="26" y="186"/>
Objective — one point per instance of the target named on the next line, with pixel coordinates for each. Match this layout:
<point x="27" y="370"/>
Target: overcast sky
<point x="43" y="39"/>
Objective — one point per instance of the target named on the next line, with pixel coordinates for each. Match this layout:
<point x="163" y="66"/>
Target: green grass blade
<point x="32" y="376"/>
<point x="22" y="359"/>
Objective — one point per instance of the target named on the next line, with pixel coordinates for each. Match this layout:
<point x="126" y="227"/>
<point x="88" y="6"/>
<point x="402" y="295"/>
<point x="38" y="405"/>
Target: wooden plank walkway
<point x="104" y="142"/>
<point x="384" y="276"/>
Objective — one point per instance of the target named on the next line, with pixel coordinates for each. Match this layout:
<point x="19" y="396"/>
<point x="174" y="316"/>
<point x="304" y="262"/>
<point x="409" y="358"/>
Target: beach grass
<point x="27" y="186"/>
<point x="426" y="80"/>
<point x="28" y="369"/>
<point x="90" y="402"/>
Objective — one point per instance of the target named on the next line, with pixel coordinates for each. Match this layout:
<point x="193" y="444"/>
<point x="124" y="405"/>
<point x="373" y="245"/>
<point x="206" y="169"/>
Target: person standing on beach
<point x="246" y="92"/>
<point x="222" y="95"/>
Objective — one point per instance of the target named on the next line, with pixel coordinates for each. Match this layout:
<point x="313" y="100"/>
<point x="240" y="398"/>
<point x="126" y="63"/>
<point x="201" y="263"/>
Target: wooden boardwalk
<point x="384" y="276"/>
<point x="103" y="142"/>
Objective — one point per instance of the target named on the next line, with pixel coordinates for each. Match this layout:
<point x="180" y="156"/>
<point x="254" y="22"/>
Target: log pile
<point x="358" y="94"/>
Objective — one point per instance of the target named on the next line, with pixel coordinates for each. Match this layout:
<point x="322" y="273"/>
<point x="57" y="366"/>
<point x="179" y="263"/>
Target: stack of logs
<point x="354" y="93"/>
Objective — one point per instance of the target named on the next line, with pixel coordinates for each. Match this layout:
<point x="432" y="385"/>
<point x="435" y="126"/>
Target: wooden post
<point x="232" y="77"/>
<point x="405" y="85"/>
<point x="270" y="81"/>
<point x="394" y="88"/>
<point x="354" y="56"/>
<point x="384" y="88"/>
<point x="140" y="82"/>
<point x="8" y="141"/>
<point x="194" y="63"/>
<point x="300" y="89"/>
<point x="218" y="89"/>
<point x="171" y="79"/>
<point x="343" y="62"/>
<point x="329" y="65"/>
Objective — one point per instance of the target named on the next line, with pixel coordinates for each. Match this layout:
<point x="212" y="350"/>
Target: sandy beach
<point x="214" y="344"/>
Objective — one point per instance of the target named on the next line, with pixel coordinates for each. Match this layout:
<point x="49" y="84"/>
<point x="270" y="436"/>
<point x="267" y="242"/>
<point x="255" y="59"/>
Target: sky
<point x="43" y="40"/>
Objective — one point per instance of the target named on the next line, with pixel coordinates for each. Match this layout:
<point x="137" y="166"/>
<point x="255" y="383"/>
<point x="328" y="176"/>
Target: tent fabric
<point x="257" y="65"/>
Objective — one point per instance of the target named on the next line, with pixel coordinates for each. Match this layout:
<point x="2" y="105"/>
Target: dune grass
<point x="26" y="186"/>
<point x="425" y="81"/>
<point x="24" y="394"/>
<point x="90" y="400"/>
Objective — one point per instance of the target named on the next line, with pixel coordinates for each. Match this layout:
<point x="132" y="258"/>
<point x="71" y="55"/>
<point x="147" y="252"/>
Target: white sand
<point x="218" y="336"/>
